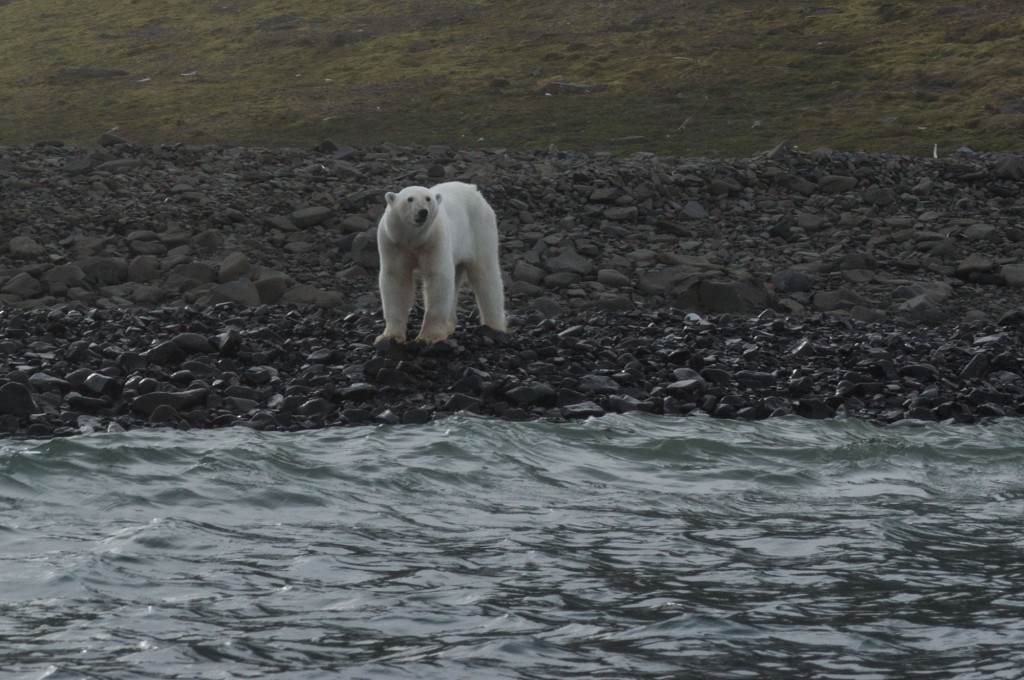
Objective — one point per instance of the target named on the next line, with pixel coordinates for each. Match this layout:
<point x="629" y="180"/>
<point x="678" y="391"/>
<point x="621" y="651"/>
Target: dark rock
<point x="693" y="211"/>
<point x="568" y="397"/>
<point x="832" y="184"/>
<point x="570" y="261"/>
<point x="597" y="384"/>
<point x="167" y="352"/>
<point x="87" y="404"/>
<point x="163" y="414"/>
<point x="317" y="406"/>
<point x="260" y="375"/>
<point x="585" y="409"/>
<point x="228" y="342"/>
<point x="356" y="416"/>
<point x="16" y="400"/>
<point x="416" y="416"/>
<point x="463" y="402"/>
<point x="754" y="379"/>
<point x="146" y="404"/>
<point x="923" y="372"/>
<point x="359" y="392"/>
<point x="815" y="409"/>
<point x="98" y="384"/>
<point x="789" y="281"/>
<point x="530" y="395"/>
<point x="688" y="384"/>
<point x="192" y="343"/>
<point x="104" y="271"/>
<point x="976" y="368"/>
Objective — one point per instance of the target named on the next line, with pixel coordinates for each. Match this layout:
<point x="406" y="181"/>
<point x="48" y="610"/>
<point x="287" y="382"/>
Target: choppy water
<point x="624" y="547"/>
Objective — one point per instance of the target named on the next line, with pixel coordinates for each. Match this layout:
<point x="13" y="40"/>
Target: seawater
<point x="621" y="547"/>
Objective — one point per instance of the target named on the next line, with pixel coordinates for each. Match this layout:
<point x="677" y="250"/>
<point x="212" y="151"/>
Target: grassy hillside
<point x="697" y="78"/>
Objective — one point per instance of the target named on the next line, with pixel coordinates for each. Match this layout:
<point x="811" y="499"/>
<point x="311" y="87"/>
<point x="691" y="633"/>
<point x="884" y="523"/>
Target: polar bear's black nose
<point x="421" y="216"/>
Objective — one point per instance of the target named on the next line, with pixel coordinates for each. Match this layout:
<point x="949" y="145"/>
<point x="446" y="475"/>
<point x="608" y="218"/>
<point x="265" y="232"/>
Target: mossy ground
<point x="708" y="79"/>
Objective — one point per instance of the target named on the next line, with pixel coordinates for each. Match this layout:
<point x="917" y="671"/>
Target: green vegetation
<point x="721" y="78"/>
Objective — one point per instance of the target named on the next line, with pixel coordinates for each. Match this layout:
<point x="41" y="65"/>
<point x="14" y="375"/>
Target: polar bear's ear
<point x="390" y="197"/>
<point x="438" y="198"/>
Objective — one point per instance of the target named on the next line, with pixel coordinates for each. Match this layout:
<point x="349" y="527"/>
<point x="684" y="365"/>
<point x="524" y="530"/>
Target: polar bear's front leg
<point x="397" y="293"/>
<point x="439" y="304"/>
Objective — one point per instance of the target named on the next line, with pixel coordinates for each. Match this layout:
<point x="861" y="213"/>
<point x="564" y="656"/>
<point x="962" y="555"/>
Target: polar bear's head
<point x="414" y="207"/>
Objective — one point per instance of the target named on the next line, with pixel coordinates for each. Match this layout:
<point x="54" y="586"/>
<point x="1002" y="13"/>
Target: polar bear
<point x="449" y="234"/>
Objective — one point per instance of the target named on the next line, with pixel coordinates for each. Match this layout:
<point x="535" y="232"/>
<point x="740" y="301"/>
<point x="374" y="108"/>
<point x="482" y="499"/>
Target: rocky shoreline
<point x="208" y="287"/>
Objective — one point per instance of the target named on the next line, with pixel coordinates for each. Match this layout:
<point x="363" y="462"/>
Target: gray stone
<point x="272" y="287"/>
<point x="80" y="164"/>
<point x="525" y="289"/>
<point x="834" y="184"/>
<point x="146" y="404"/>
<point x="354" y="224"/>
<point x="597" y="384"/>
<point x="208" y="241"/>
<point x="936" y="291"/>
<point x="300" y="247"/>
<point x="310" y="217"/>
<point x="16" y="400"/>
<point x="104" y="270"/>
<point x="569" y="261"/>
<point x="975" y="263"/>
<point x="524" y="271"/>
<point x="688" y="383"/>
<point x="612" y="278"/>
<point x="842" y="298"/>
<point x="810" y="222"/>
<point x="364" y="250"/>
<point x="239" y="291"/>
<point x="693" y="211"/>
<point x="723" y="186"/>
<point x="1009" y="166"/>
<point x="58" y="280"/>
<point x="191" y="274"/>
<point x="192" y="343"/>
<point x="662" y="282"/>
<point x="584" y="409"/>
<point x="143" y="269"/>
<point x="980" y="231"/>
<point x="880" y="196"/>
<point x="867" y="314"/>
<point x="25" y="248"/>
<point x="605" y="194"/>
<point x="235" y="266"/>
<point x="789" y="281"/>
<point x="147" y="247"/>
<point x="625" y="213"/>
<point x="921" y="308"/>
<point x="301" y="294"/>
<point x="976" y="368"/>
<point x="561" y="280"/>
<point x="718" y="296"/>
<point x="1013" y="275"/>
<point x="146" y="295"/>
<point x="23" y="285"/>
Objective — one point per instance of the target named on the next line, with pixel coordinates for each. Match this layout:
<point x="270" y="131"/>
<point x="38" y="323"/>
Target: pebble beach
<point x="198" y="286"/>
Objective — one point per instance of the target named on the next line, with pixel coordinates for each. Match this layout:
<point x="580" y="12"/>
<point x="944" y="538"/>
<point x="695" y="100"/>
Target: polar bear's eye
<point x="428" y="199"/>
<point x="410" y="199"/>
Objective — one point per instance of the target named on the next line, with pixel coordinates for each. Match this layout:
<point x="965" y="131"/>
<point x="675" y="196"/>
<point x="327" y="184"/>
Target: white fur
<point x="449" y="234"/>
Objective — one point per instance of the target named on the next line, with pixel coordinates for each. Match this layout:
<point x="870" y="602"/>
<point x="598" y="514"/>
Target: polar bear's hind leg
<point x="485" y="280"/>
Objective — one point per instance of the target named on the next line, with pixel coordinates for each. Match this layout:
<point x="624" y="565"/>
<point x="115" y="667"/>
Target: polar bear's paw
<point x="389" y="337"/>
<point x="430" y="337"/>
